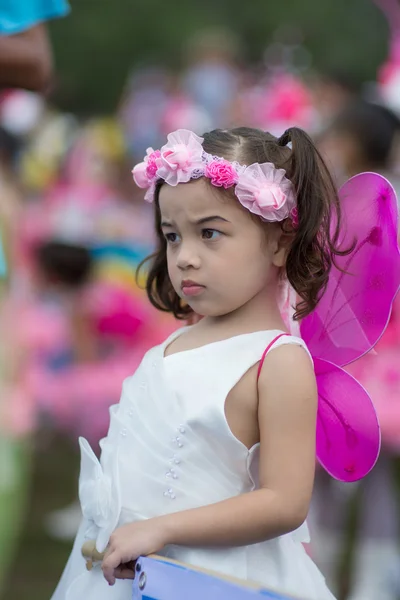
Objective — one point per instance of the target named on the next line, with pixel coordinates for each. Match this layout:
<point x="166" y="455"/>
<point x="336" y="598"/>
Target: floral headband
<point x="261" y="188"/>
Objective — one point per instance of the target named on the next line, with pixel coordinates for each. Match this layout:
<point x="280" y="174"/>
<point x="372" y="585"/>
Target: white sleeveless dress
<point x="169" y="448"/>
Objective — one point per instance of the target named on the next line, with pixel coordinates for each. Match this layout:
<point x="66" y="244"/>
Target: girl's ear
<point x="283" y="243"/>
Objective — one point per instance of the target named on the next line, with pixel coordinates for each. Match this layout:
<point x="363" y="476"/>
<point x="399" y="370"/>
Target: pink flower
<point x="294" y="215"/>
<point x="270" y="194"/>
<point x="266" y="192"/>
<point x="145" y="172"/>
<point x="221" y="173"/>
<point x="152" y="163"/>
<point x="180" y="157"/>
<point x="140" y="175"/>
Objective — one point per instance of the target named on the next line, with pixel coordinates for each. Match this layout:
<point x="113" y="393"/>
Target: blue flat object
<point x="162" y="579"/>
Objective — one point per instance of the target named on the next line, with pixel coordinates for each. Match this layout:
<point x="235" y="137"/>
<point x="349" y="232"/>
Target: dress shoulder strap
<point x="278" y="341"/>
<point x="267" y="349"/>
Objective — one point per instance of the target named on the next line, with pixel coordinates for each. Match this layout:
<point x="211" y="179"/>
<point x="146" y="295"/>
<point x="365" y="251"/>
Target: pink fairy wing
<point x="355" y="309"/>
<point x="348" y="434"/>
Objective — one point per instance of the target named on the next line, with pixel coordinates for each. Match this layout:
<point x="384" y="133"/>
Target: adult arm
<point x="26" y="59"/>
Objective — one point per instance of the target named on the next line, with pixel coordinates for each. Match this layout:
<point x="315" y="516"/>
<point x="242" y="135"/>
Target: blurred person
<point x="25" y="62"/>
<point x="10" y="195"/>
<point x="212" y="77"/>
<point x="25" y="51"/>
<point x="45" y="149"/>
<point x="388" y="78"/>
<point x="182" y="112"/>
<point x="332" y="90"/>
<point x="57" y="335"/>
<point x="142" y="108"/>
<point x="10" y="207"/>
<point x="64" y="269"/>
<point x="363" y="137"/>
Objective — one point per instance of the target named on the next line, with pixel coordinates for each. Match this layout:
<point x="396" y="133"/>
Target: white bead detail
<point x="131" y="413"/>
<point x="170" y="494"/>
<point x="181" y="429"/>
<point x="171" y="473"/>
<point x="174" y="460"/>
<point x="123" y="432"/>
<point x="177" y="441"/>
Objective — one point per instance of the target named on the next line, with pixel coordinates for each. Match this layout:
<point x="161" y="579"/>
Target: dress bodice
<point x="169" y="446"/>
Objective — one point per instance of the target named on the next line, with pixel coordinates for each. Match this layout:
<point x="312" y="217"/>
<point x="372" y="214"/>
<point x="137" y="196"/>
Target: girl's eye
<point x="210" y="234"/>
<point x="171" y="238"/>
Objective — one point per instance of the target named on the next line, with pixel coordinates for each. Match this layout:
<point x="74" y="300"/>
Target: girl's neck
<point x="259" y="313"/>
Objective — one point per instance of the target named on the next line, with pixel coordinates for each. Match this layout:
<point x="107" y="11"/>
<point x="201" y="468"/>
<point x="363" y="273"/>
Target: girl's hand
<point x="129" y="542"/>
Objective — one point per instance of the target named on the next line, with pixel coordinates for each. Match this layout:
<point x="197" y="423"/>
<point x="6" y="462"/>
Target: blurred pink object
<point x="114" y="310"/>
<point x="41" y="328"/>
<point x="285" y="101"/>
<point x="18" y="411"/>
<point x="181" y="111"/>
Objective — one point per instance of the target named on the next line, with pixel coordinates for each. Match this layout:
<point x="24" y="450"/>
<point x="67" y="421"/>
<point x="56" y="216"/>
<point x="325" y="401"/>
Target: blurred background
<point x="74" y="320"/>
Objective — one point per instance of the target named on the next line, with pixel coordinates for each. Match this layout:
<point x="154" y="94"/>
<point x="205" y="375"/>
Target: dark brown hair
<point x="314" y="245"/>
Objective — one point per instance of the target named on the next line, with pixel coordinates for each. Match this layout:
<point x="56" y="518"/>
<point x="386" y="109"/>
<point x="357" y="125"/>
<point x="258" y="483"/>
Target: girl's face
<point x="219" y="258"/>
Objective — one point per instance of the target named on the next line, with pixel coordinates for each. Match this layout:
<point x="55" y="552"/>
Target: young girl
<point x="210" y="454"/>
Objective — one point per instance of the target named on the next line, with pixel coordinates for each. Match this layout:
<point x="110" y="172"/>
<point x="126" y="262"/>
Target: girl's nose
<point x="188" y="257"/>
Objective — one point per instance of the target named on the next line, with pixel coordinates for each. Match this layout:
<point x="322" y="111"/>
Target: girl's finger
<point x="109" y="564"/>
<point x="124" y="572"/>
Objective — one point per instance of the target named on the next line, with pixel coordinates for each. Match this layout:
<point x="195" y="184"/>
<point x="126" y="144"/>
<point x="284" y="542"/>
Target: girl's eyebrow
<point x="212" y="218"/>
<point x="166" y="224"/>
<point x="201" y="221"/>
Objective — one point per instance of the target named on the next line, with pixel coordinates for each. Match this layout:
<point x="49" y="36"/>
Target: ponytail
<point x="315" y="243"/>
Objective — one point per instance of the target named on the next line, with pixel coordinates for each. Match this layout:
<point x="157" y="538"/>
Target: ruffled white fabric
<point x="99" y="497"/>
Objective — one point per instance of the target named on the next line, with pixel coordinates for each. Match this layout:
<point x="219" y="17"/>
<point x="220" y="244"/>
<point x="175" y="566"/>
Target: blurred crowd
<point x="75" y="320"/>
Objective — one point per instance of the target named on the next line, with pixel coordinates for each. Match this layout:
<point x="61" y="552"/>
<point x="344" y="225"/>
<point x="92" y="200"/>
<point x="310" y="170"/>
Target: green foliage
<point x="101" y="40"/>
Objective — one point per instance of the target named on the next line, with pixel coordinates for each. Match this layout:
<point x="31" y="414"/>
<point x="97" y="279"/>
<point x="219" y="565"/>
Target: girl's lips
<point x="191" y="289"/>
